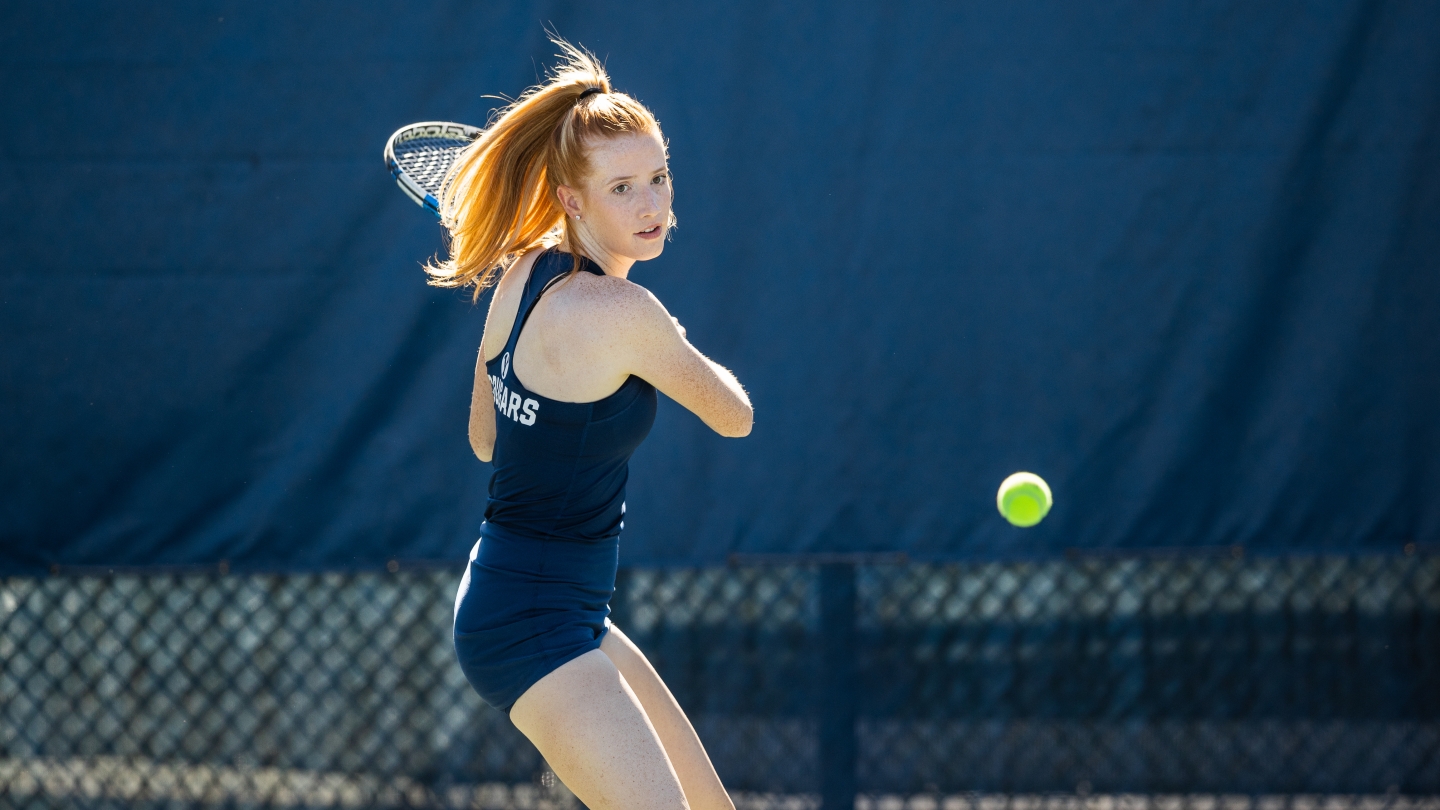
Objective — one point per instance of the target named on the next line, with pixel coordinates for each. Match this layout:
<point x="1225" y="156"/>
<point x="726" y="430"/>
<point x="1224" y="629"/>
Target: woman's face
<point x="624" y="205"/>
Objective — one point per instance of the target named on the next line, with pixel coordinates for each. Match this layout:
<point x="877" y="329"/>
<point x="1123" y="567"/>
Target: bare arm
<point x="506" y="299"/>
<point x="659" y="353"/>
<point x="482" y="412"/>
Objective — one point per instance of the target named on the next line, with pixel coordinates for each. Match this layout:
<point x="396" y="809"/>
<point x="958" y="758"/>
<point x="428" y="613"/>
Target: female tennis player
<point x="559" y="198"/>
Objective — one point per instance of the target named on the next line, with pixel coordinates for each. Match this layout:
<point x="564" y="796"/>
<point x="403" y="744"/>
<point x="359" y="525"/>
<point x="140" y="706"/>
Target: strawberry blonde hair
<point x="499" y="196"/>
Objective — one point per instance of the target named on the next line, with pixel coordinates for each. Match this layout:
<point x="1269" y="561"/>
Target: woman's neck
<point x="617" y="266"/>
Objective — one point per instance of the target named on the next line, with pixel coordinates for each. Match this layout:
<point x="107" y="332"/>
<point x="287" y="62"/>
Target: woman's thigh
<point x="591" y="729"/>
<point x="697" y="775"/>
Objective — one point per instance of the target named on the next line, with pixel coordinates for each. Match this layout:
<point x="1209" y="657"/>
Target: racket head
<point x="419" y="156"/>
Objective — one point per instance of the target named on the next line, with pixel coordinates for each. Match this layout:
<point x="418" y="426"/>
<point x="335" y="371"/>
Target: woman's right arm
<point x="659" y="354"/>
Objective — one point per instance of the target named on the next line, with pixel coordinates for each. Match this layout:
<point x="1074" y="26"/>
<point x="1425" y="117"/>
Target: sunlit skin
<point x="588" y="334"/>
<point x="620" y="212"/>
<point x="605" y="721"/>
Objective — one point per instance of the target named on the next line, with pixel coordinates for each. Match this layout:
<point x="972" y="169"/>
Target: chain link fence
<point x="1130" y="682"/>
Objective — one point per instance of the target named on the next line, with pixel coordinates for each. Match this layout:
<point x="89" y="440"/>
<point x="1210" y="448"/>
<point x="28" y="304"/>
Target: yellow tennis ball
<point x="1023" y="499"/>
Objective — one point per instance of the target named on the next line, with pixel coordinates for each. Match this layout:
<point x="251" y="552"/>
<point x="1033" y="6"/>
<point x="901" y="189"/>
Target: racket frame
<point x="423" y="129"/>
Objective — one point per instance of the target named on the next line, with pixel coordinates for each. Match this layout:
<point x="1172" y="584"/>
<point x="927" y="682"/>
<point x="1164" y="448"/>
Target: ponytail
<point x="499" y="196"/>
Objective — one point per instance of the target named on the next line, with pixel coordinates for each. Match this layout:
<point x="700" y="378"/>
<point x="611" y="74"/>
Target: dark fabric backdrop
<point x="1178" y="258"/>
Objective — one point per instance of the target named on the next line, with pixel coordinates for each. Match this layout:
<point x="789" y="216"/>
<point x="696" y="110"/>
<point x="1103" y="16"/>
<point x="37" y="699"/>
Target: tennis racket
<point x="420" y="154"/>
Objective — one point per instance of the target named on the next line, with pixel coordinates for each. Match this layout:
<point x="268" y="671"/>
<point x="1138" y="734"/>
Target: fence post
<point x="838" y="686"/>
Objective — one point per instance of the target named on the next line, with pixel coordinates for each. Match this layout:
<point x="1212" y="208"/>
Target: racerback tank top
<point x="560" y="468"/>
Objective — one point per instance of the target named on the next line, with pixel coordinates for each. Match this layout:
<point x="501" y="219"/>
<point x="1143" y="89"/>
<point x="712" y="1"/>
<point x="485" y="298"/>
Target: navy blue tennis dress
<point x="537" y="591"/>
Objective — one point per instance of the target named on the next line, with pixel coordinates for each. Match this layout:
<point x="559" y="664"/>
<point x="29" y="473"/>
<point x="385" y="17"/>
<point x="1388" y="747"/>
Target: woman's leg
<point x="697" y="776"/>
<point x="591" y="729"/>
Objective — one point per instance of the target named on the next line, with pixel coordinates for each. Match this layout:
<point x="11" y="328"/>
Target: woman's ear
<point x="569" y="200"/>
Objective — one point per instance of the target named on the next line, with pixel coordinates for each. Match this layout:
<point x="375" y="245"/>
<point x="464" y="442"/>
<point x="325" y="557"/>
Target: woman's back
<point x="561" y="465"/>
<point x="567" y="350"/>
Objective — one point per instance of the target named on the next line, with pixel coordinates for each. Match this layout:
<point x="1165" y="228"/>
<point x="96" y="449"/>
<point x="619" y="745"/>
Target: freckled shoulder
<point x="615" y="306"/>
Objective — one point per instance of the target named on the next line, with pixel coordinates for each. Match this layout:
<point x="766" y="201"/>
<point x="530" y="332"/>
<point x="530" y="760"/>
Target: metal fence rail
<point x="1136" y="681"/>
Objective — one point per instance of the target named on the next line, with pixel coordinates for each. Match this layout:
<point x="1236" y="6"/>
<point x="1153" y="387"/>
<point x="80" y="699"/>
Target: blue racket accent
<point x="420" y="155"/>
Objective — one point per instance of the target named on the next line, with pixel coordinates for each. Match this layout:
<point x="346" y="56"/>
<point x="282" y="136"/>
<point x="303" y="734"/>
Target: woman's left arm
<point x="482" y="412"/>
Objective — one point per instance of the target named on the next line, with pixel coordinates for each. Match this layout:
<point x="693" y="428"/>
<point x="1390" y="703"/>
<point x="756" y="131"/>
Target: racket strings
<point x="426" y="160"/>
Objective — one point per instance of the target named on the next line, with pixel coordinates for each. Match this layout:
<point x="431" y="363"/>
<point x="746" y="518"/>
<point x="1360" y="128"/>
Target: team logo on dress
<point x="509" y="403"/>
